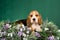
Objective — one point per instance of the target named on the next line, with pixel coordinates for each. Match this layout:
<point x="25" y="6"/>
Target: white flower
<point x="23" y="26"/>
<point x="10" y="26"/>
<point x="52" y="36"/>
<point x="24" y="38"/>
<point x="58" y="30"/>
<point x="18" y="26"/>
<point x="50" y="23"/>
<point x="10" y="34"/>
<point x="27" y="32"/>
<point x="27" y="35"/>
<point x="24" y="34"/>
<point x="58" y="38"/>
<point x="4" y="32"/>
<point x="21" y="29"/>
<point x="46" y="29"/>
<point x="24" y="29"/>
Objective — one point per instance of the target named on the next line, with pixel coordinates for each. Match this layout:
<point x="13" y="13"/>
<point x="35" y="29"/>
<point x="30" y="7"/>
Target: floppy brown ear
<point x="28" y="22"/>
<point x="40" y="20"/>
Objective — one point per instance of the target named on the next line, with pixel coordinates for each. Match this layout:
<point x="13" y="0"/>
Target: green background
<point x="19" y="9"/>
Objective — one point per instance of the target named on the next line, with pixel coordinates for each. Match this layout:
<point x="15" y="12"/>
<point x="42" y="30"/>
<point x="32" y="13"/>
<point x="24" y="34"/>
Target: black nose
<point x="33" y="19"/>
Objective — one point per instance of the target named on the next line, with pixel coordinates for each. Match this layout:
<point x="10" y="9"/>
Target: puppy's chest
<point x="34" y="26"/>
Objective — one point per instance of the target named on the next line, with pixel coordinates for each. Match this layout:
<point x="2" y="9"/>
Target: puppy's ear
<point x="39" y="20"/>
<point x="28" y="22"/>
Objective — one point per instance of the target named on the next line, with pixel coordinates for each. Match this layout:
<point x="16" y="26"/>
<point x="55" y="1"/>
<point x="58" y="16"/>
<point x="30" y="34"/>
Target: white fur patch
<point x="36" y="26"/>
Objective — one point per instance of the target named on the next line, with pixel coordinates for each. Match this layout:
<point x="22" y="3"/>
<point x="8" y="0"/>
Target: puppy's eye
<point x="36" y="15"/>
<point x="31" y="15"/>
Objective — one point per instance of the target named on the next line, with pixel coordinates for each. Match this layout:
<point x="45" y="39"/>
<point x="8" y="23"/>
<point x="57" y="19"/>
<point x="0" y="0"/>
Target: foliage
<point x="8" y="31"/>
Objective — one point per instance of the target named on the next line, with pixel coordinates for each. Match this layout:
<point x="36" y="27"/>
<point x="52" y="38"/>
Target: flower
<point x="24" y="27"/>
<point x="51" y="37"/>
<point x="37" y="34"/>
<point x="10" y="34"/>
<point x="7" y="26"/>
<point x="20" y="33"/>
<point x="24" y="38"/>
<point x="58" y="30"/>
<point x="58" y="38"/>
<point x="27" y="32"/>
<point x="24" y="34"/>
<point x="46" y="29"/>
<point x="3" y="39"/>
<point x="18" y="26"/>
<point x="50" y="23"/>
<point x="27" y="35"/>
<point x="2" y="34"/>
<point x="21" y="27"/>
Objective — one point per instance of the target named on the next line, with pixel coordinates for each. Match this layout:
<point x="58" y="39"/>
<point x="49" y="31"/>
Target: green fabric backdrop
<point x="19" y="9"/>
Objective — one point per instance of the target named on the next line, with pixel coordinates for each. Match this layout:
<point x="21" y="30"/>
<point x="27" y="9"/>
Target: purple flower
<point x="37" y="34"/>
<point x="6" y="26"/>
<point x="51" y="38"/>
<point x="20" y="33"/>
<point x="3" y="39"/>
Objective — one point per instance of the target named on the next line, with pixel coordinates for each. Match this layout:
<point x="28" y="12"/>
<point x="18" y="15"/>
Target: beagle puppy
<point x="34" y="21"/>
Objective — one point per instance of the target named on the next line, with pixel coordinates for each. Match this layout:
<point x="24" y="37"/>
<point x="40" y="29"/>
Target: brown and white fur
<point x="34" y="21"/>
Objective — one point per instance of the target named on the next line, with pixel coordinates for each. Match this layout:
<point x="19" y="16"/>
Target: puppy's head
<point x="34" y="17"/>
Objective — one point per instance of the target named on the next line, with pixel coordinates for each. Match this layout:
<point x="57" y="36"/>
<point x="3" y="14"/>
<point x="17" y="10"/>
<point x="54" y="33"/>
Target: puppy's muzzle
<point x="34" y="19"/>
